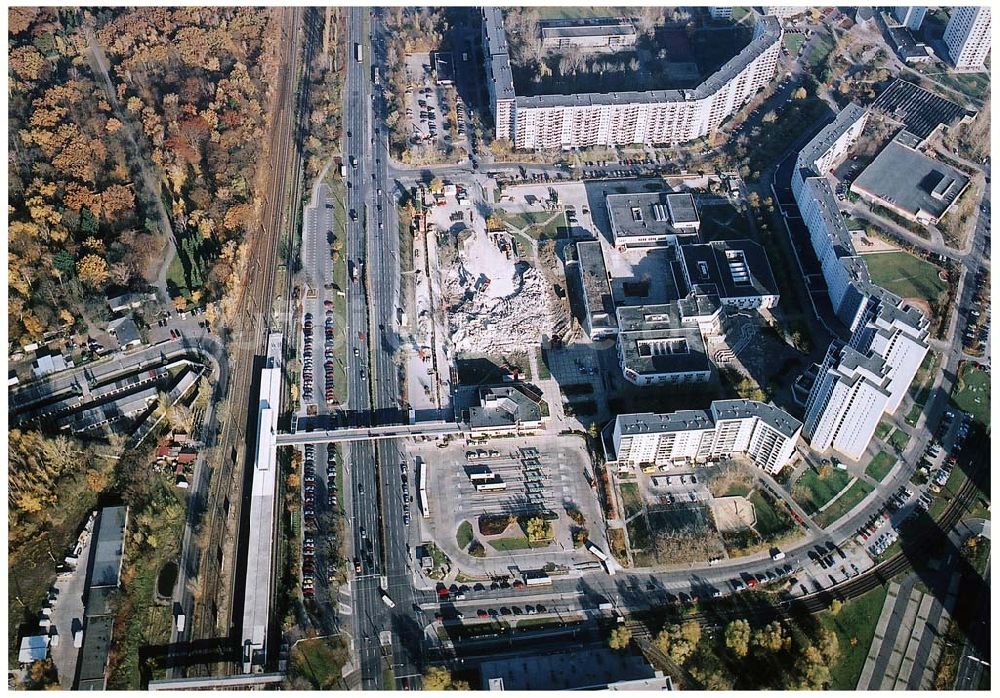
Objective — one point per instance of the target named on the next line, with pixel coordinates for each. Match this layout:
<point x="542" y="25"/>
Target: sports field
<point x="906" y="276"/>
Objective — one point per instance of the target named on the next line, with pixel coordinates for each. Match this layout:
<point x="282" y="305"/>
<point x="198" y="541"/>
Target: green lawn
<point x="525" y="219"/>
<point x="821" y="48"/>
<point x="972" y="393"/>
<point x="550" y="230"/>
<point x="974" y="85"/>
<point x="883" y="429"/>
<point x="320" y="661"/>
<point x="737" y="489"/>
<point x="631" y="501"/>
<point x="508" y="544"/>
<point x="913" y="415"/>
<point x="880" y="466"/>
<point x="544" y="373"/>
<point x="906" y="276"/>
<point x="770" y="521"/>
<point x="811" y="491"/>
<point x="793" y="42"/>
<point x="855" y="628"/>
<point x="847" y="501"/>
<point x="464" y="535"/>
<point x="899" y="439"/>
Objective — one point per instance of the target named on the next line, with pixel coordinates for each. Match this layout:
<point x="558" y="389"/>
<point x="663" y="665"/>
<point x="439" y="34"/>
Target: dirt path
<point x="150" y="181"/>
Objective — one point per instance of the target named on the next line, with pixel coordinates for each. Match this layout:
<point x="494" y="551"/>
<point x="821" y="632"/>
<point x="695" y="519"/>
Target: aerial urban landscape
<point x="655" y="353"/>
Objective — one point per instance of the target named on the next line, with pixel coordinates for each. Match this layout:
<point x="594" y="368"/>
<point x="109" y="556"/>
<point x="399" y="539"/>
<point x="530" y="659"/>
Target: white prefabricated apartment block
<point x="761" y="432"/>
<point x="623" y="118"/>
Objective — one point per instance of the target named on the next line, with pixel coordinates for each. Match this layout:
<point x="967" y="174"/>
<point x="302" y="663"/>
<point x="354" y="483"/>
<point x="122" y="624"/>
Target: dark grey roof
<point x="682" y="208"/>
<point x="497" y="52"/>
<point x="689" y="354"/>
<point x="822" y="141"/>
<point x="911" y="181"/>
<point x="596" y="289"/>
<point x="108" y="547"/>
<point x="730" y="268"/>
<point x="125" y="331"/>
<point x="852" y="359"/>
<point x="93" y="660"/>
<point x="778" y="419"/>
<point x="838" y="235"/>
<point x="654" y="422"/>
<point x="577" y="669"/>
<point x="653" y="211"/>
<point x="595" y="27"/>
<point x="504" y="405"/>
<point x="919" y="110"/>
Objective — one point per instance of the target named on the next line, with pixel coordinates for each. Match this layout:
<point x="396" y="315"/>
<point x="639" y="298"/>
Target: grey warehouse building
<point x="909" y="183"/>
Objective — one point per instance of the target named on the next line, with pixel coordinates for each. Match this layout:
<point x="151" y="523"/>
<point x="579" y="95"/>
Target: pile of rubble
<point x="494" y="303"/>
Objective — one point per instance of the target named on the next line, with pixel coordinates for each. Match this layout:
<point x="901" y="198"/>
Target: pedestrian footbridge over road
<point x="395" y="431"/>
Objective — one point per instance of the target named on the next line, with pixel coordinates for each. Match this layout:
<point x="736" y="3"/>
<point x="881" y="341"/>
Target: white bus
<point x="483" y="476"/>
<point x="386" y="600"/>
<point x="491" y="486"/>
<point x="357" y="52"/>
<point x="422" y="486"/>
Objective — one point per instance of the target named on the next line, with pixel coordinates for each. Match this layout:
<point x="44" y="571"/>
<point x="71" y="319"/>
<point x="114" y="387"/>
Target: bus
<point x="484" y="476"/>
<point x="491" y="486"/>
<point x="357" y="52"/>
<point x="386" y="600"/>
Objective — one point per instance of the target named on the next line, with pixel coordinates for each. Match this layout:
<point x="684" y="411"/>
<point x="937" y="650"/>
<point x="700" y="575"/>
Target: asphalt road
<point x="384" y="279"/>
<point x="364" y="513"/>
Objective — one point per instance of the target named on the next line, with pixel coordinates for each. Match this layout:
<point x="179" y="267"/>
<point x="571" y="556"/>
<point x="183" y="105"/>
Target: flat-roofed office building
<point x="597" y="34"/>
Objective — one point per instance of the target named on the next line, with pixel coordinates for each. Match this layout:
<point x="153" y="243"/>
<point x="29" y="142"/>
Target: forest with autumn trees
<point x="183" y="124"/>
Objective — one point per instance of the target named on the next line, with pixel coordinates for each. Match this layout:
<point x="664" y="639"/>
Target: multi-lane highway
<point x="378" y="530"/>
<point x="367" y="605"/>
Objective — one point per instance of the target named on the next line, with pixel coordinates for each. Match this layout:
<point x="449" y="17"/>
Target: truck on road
<point x="343" y="171"/>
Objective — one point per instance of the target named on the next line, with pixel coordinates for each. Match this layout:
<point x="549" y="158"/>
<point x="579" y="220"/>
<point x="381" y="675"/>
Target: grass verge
<point x="320" y="661"/>
<point x="855" y="628"/>
<point x="880" y="466"/>
<point x="847" y="501"/>
<point x="972" y="393"/>
<point x="812" y="491"/>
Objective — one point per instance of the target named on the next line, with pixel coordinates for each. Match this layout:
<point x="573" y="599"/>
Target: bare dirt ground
<point x="733" y="514"/>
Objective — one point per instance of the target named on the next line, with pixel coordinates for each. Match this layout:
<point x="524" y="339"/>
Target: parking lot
<point x="675" y="488"/>
<point x="537" y="474"/>
<point x="320" y="507"/>
<point x="881" y="530"/>
<point x="428" y="106"/>
<point x="830" y="564"/>
<point x="319" y="352"/>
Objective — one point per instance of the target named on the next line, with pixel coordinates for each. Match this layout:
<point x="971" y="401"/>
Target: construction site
<point x="478" y="291"/>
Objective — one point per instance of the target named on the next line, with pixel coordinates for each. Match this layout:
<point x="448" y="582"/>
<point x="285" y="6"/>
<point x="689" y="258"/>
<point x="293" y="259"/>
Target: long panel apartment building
<point x="763" y="433"/>
<point x="860" y="381"/>
<point x="623" y="118"/>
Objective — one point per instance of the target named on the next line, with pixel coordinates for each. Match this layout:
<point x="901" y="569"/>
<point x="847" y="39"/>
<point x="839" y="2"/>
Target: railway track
<point x="820" y="601"/>
<point x="247" y="338"/>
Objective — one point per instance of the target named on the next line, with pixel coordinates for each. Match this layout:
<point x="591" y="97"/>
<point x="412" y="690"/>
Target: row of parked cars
<point x="977" y="327"/>
<point x="309" y="510"/>
<point x="407" y="498"/>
